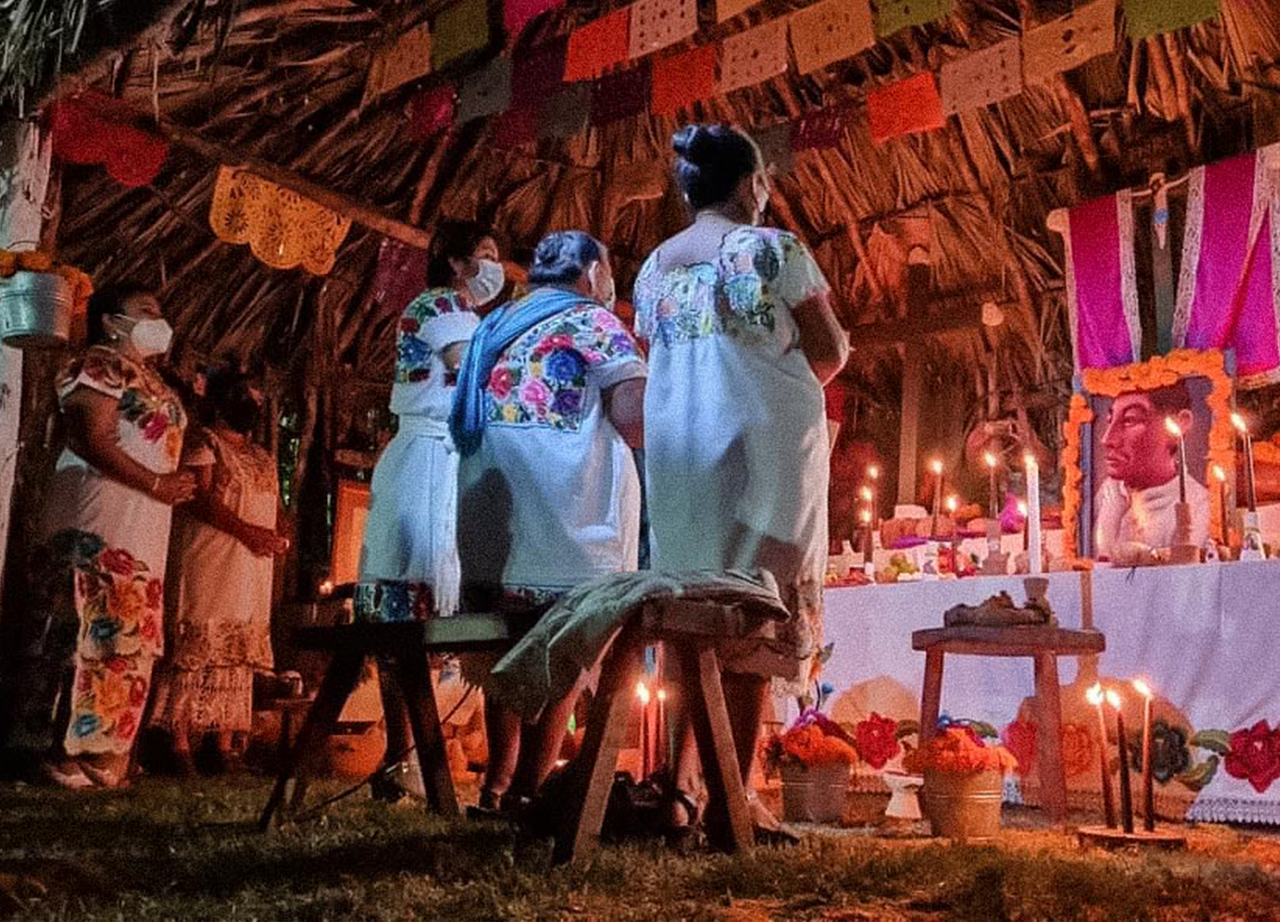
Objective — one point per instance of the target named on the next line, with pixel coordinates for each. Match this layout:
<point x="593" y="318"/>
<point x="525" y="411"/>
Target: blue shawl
<point x="499" y="329"/>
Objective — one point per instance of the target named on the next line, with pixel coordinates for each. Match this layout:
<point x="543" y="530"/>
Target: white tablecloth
<point x="1207" y="638"/>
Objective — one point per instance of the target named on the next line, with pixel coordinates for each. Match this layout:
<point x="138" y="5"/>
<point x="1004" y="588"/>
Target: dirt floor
<point x="186" y="850"/>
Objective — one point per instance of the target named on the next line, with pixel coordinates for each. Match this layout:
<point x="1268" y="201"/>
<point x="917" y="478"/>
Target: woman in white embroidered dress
<point x="742" y="339"/>
<point x="99" y="624"/>
<point x="220" y="578"/>
<point x="409" y="564"/>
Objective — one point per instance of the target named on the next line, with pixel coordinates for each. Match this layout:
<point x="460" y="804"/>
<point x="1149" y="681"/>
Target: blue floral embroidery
<point x="413" y="354"/>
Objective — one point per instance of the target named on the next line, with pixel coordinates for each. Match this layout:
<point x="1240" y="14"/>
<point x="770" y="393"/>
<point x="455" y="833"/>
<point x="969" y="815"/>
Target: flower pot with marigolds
<point x="39" y="299"/>
<point x="815" y="758"/>
<point x="963" y="783"/>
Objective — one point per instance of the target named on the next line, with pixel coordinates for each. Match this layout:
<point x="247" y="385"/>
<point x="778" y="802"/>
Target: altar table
<point x="1205" y="637"/>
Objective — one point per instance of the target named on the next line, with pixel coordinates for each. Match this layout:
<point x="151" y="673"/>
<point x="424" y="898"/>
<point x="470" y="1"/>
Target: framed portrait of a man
<point x="1123" y="479"/>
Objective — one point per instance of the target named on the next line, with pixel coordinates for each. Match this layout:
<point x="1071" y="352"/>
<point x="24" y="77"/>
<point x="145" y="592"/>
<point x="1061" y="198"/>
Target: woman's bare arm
<point x="822" y="340"/>
<point x="624" y="404"/>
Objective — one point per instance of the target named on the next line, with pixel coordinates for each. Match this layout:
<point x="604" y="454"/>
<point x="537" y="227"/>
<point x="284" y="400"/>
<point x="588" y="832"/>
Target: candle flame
<point x="866" y="516"/>
<point x="642" y="692"/>
<point x="326" y="588"/>
<point x="953" y="504"/>
<point x="662" y="694"/>
<point x="1113" y="699"/>
<point x="990" y="460"/>
<point x="1029" y="460"/>
<point x="1172" y="427"/>
<point x="936" y="466"/>
<point x="1022" y="508"/>
<point x="867" y="494"/>
<point x="1239" y="422"/>
<point x="873" y="472"/>
<point x="1219" y="474"/>
<point x="1094" y="695"/>
<point x="1142" y="688"/>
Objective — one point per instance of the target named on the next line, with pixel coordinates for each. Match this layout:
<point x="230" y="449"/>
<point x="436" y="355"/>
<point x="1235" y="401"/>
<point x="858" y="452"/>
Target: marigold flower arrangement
<point x="814" y="740"/>
<point x="957" y="750"/>
<point x="12" y="261"/>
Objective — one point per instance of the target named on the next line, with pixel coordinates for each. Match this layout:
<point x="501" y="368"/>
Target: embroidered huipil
<point x="735" y="434"/>
<point x="409" y="555"/>
<point x="552" y="496"/>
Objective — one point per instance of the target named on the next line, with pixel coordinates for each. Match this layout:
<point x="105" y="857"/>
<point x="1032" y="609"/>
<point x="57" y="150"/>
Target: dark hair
<point x="108" y="302"/>
<point x="452" y="240"/>
<point x="1170" y="399"/>
<point x="563" y="256"/>
<point x="711" y="160"/>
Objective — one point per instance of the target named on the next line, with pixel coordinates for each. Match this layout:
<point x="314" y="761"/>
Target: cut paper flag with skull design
<point x="982" y="78"/>
<point x="655" y="24"/>
<point x="1067" y="42"/>
<point x="830" y="31"/>
<point x="753" y="56"/>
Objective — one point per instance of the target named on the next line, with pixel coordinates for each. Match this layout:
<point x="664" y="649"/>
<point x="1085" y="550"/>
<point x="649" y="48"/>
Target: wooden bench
<point x="407" y="646"/>
<point x="690" y="633"/>
<point x="1044" y="645"/>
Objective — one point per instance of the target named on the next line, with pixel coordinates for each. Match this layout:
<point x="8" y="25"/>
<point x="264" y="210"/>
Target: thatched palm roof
<point x="282" y="80"/>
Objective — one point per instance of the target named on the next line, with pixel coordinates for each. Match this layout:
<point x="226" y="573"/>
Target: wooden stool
<point x="1044" y="645"/>
<point x="690" y="633"/>
<point x="407" y="645"/>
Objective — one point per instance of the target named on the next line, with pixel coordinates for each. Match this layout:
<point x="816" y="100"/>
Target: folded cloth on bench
<point x="572" y="636"/>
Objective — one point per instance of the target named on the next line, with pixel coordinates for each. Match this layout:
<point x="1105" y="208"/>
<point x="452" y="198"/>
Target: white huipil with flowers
<point x="551" y="499"/>
<point x="107" y="547"/>
<point x="409" y="562"/>
<point x="736" y="451"/>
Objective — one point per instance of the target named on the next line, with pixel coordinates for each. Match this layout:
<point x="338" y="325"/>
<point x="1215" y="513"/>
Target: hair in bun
<point x="561" y="257"/>
<point x="710" y="162"/>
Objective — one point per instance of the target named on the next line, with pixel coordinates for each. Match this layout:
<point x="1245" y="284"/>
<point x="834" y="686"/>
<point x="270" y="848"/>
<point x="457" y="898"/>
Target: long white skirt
<point x="410" y="535"/>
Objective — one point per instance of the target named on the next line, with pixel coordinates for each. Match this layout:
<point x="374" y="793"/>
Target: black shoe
<point x="386" y="788"/>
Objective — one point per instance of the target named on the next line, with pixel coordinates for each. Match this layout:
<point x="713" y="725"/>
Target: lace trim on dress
<point x="1190" y="257"/>
<point x="197" y="646"/>
<point x="1129" y="272"/>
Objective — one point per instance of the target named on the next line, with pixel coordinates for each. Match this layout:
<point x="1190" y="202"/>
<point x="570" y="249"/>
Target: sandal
<point x="68" y="775"/>
<point x="104" y="777"/>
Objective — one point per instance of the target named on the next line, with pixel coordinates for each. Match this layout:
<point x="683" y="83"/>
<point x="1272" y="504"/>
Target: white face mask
<point x="147" y="337"/>
<point x="761" y="190"/>
<point x="608" y="296"/>
<point x="487" y="283"/>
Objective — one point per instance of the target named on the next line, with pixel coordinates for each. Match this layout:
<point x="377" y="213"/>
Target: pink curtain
<point x="1229" y="283"/>
<point x="1102" y="292"/>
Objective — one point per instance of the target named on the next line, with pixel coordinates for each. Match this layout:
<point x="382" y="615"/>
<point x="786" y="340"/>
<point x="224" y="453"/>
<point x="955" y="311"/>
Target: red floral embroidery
<point x="155" y="593"/>
<point x="154" y="426"/>
<point x="127" y="725"/>
<point x="877" y="740"/>
<point x="1254" y="755"/>
<point x="410" y="325"/>
<point x="1019" y="738"/>
<point x="118" y="665"/>
<point x="445" y="305"/>
<point x="500" y="383"/>
<point x="138" y="692"/>
<point x="118" y="561"/>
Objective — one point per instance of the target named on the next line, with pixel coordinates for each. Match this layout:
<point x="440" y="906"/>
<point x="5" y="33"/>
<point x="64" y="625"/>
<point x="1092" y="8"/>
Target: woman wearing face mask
<point x="409" y="562"/>
<point x="742" y="339"/>
<point x="99" y="624"/>
<point x="546" y="416"/>
<point x="220" y="577"/>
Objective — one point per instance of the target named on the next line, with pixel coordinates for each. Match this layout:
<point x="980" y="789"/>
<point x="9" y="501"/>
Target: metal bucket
<point x="814" y="795"/>
<point x="35" y="310"/>
<point x="964" y="807"/>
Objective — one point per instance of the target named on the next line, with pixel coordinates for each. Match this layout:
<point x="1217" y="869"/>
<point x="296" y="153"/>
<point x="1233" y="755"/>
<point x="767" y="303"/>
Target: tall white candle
<point x="1036" y="557"/>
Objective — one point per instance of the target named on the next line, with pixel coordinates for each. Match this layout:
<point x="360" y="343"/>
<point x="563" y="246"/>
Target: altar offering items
<point x="814" y="757"/>
<point x="1000" y="611"/>
<point x="990" y="460"/>
<point x="963" y="779"/>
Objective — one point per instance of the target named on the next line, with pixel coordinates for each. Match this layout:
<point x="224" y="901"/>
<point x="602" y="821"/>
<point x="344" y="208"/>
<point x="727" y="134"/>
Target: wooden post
<point x="24" y="180"/>
<point x="909" y="440"/>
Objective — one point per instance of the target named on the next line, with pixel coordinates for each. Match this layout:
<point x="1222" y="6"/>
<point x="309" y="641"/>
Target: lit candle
<point x="1171" y="425"/>
<point x="662" y="727"/>
<point x="642" y="693"/>
<point x="1026" y="525"/>
<point x="1126" y="793"/>
<point x="1148" y="792"/>
<point x="991" y="462"/>
<point x="1095" y="697"/>
<point x="1243" y="428"/>
<point x="936" y="467"/>
<point x="868" y="543"/>
<point x="1221" y="476"/>
<point x="873" y="474"/>
<point x="1033" y="515"/>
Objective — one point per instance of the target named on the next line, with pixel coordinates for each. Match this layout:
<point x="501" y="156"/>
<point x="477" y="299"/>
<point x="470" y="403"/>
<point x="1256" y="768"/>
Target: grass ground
<point x="164" y="850"/>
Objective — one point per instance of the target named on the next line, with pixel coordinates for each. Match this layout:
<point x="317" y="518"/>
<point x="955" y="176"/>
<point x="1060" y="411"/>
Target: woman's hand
<point x="174" y="489"/>
<point x="263" y="542"/>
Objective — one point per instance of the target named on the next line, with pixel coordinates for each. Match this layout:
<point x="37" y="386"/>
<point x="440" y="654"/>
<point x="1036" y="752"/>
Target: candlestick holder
<point x="1252" y="547"/>
<point x="996" y="562"/>
<point x="1183" y="551"/>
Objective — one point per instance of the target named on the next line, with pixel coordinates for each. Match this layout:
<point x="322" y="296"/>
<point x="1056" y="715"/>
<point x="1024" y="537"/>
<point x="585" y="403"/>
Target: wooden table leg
<point x="598" y="760"/>
<point x="716" y="748"/>
<point x="1053" y="782"/>
<point x="931" y="696"/>
<point x="338" y="683"/>
<point x="428" y="735"/>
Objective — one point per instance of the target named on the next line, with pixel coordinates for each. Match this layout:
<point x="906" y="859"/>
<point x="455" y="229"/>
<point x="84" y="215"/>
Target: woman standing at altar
<point x="742" y="339"/>
<point x="220" y="578"/>
<point x="98" y="624"/>
<point x="409" y="563"/>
